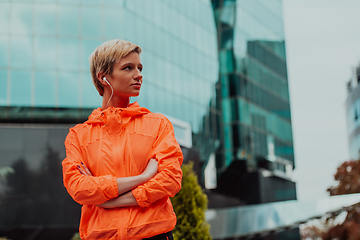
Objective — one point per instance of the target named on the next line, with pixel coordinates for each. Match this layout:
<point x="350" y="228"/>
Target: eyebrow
<point x="129" y="63"/>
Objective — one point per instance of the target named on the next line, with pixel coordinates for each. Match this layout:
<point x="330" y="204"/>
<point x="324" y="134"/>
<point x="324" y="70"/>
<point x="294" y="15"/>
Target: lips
<point x="136" y="85"/>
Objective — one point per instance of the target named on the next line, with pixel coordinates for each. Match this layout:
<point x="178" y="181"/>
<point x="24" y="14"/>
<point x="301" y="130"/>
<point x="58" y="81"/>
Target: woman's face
<point x="126" y="78"/>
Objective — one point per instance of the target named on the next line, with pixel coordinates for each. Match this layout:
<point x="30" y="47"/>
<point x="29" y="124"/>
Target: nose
<point x="138" y="76"/>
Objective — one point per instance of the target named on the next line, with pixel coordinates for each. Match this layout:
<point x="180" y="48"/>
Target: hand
<point x="84" y="170"/>
<point x="151" y="169"/>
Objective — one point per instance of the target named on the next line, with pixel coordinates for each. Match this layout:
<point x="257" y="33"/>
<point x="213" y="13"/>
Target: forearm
<point x="87" y="189"/>
<point x="125" y="200"/>
<point x="165" y="184"/>
<point x="126" y="184"/>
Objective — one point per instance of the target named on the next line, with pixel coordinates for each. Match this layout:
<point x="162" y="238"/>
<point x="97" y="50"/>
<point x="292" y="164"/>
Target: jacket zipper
<point x="121" y="113"/>
<point x="118" y="133"/>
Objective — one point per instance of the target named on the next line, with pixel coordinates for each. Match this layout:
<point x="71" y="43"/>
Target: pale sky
<point x="323" y="45"/>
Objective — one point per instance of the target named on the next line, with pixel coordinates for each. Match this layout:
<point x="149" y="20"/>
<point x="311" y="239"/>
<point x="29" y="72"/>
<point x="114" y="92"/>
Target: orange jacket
<point x="118" y="142"/>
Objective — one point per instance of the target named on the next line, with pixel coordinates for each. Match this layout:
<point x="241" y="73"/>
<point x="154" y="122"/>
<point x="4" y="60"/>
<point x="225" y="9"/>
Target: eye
<point x="140" y="68"/>
<point x="127" y="68"/>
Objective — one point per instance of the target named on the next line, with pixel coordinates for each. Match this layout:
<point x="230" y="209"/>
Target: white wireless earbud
<point x="106" y="80"/>
<point x="112" y="90"/>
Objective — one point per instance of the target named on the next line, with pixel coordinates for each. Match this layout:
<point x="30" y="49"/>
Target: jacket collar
<point x="122" y="115"/>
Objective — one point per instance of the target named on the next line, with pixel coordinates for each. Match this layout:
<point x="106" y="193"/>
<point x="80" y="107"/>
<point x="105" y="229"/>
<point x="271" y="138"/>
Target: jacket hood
<point x="123" y="115"/>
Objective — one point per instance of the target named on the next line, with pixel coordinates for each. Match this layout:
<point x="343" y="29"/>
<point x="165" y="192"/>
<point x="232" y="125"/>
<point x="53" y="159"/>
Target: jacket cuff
<point x="139" y="195"/>
<point x="112" y="191"/>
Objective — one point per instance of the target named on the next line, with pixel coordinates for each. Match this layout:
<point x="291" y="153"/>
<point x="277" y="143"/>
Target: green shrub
<point x="190" y="205"/>
<point x="75" y="237"/>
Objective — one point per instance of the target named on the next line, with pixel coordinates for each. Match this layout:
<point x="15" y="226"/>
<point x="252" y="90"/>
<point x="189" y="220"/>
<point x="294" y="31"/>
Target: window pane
<point x="69" y="54"/>
<point x="150" y="35"/>
<point x="45" y="18"/>
<point x="148" y="72"/>
<point x="21" y="52"/>
<point x="21" y="18"/>
<point x="91" y="24"/>
<point x="88" y="46"/>
<point x="114" y="31"/>
<point x="4" y="17"/>
<point x="20" y="88"/>
<point x="113" y="2"/>
<point x="91" y="97"/>
<point x="74" y="2"/>
<point x="68" y="89"/>
<point x="46" y="1"/>
<point x="4" y="51"/>
<point x="45" y="53"/>
<point x="129" y="34"/>
<point x="93" y="2"/>
<point x="3" y="88"/>
<point x="68" y="20"/>
<point x="45" y="89"/>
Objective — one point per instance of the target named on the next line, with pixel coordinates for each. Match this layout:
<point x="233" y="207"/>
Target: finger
<point x="81" y="171"/>
<point x="86" y="169"/>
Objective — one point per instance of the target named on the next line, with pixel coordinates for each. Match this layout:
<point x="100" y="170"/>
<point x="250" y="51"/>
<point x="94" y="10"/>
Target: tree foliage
<point x="327" y="228"/>
<point x="190" y="205"/>
<point x="348" y="177"/>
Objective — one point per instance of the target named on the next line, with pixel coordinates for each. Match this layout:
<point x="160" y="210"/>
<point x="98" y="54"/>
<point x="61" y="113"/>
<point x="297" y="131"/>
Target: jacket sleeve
<point x="167" y="182"/>
<point x="84" y="189"/>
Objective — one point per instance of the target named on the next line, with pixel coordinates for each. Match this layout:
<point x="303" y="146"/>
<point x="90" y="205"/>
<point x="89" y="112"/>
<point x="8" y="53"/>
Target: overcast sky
<point x="323" y="45"/>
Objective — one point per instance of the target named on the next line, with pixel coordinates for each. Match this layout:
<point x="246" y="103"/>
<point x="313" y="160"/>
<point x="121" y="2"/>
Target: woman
<point x="123" y="163"/>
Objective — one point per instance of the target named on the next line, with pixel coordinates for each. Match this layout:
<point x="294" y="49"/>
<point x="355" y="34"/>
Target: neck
<point x="115" y="101"/>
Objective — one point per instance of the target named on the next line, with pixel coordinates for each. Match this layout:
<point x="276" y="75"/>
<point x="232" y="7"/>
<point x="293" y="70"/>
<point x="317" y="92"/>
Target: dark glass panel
<point x="31" y="187"/>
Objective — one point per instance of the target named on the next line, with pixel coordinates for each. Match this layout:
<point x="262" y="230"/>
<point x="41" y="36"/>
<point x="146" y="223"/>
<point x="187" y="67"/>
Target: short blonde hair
<point x="105" y="56"/>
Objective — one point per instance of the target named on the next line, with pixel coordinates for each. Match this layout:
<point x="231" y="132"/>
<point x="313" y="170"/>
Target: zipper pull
<point x="121" y="112"/>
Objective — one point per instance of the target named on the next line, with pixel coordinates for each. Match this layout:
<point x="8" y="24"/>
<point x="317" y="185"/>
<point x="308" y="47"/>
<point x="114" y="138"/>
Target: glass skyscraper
<point x="254" y="83"/>
<point x="256" y="119"/>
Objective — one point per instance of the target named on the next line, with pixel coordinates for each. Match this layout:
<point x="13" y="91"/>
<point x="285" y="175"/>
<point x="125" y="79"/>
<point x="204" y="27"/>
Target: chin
<point x="136" y="94"/>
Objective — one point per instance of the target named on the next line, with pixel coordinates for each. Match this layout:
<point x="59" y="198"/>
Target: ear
<point x="100" y="76"/>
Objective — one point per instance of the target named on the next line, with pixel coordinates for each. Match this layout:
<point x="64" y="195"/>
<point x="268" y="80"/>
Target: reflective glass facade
<point x="45" y="46"/>
<point x="217" y="66"/>
<point x="45" y="79"/>
<point x="254" y="84"/>
<point x="31" y="188"/>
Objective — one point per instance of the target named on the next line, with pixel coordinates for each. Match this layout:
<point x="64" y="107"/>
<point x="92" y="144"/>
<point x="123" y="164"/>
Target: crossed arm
<point x="126" y="184"/>
<point x="161" y="178"/>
